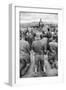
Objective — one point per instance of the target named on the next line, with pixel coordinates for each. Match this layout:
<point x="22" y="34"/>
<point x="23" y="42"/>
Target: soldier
<point x="24" y="57"/>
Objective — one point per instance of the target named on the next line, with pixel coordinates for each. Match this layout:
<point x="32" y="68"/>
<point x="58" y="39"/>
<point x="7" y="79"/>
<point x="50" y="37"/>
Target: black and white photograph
<point x="38" y="44"/>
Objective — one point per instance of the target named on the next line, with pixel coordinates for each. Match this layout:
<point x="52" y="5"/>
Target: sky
<point x="26" y="17"/>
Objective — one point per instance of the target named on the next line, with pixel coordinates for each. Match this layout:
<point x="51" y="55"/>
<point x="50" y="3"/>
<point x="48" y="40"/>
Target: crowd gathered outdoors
<point x="39" y="52"/>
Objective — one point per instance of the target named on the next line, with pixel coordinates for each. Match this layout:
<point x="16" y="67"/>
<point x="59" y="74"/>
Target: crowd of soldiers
<point x="38" y="53"/>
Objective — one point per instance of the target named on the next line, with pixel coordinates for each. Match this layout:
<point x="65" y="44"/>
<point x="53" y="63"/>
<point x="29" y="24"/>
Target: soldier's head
<point x="48" y="29"/>
<point x="45" y="52"/>
<point x="41" y="36"/>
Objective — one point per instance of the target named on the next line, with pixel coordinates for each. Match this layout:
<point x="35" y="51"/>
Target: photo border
<point x="15" y="70"/>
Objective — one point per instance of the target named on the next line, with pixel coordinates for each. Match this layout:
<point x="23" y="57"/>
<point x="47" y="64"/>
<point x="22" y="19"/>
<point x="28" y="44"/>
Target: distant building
<point x="41" y="23"/>
<point x="38" y="25"/>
